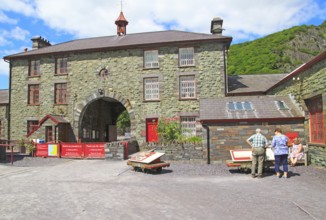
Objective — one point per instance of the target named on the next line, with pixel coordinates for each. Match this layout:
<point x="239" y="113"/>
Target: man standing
<point x="258" y="143"/>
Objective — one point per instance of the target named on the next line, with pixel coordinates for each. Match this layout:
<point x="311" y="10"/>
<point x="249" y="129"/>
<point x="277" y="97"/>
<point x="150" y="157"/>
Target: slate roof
<point x="252" y="83"/>
<point x="125" y="41"/>
<point x="4" y="96"/>
<point x="264" y="107"/>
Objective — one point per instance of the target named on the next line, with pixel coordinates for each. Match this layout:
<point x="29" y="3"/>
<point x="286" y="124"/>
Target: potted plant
<point x="30" y="147"/>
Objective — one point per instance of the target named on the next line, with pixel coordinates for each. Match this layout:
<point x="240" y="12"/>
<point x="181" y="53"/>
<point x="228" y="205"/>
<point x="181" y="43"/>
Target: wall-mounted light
<point x="100" y="91"/>
<point x="296" y="79"/>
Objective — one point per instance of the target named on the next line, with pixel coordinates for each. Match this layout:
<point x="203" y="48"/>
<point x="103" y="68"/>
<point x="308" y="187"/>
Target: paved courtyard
<point x="98" y="189"/>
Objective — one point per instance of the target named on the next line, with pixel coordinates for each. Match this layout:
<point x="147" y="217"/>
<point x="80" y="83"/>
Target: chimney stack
<point x="39" y="42"/>
<point x="216" y="26"/>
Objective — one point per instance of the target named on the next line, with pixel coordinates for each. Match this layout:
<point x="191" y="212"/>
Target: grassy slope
<point x="277" y="53"/>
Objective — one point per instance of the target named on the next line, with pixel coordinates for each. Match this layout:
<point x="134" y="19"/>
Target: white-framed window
<point x="186" y="56"/>
<point x="151" y="59"/>
<point x="188" y="125"/>
<point x="34" y="68"/>
<point x="187" y="87"/>
<point x="61" y="66"/>
<point x="151" y="89"/>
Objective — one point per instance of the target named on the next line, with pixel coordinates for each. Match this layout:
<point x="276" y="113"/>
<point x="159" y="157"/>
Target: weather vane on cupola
<point x="121" y="23"/>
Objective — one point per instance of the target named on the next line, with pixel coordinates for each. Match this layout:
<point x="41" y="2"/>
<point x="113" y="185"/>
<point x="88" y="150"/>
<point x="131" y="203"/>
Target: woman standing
<point x="279" y="143"/>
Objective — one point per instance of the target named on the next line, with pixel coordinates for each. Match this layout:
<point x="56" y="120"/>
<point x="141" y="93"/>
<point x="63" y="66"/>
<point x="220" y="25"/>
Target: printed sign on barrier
<point x="42" y="150"/>
<point x="72" y="150"/>
<point x="94" y="150"/>
<point x="53" y="150"/>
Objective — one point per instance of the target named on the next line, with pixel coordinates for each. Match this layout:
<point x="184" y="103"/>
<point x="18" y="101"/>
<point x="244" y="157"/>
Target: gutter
<point x="212" y="121"/>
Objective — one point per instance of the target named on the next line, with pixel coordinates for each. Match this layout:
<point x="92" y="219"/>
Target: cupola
<point x="121" y="23"/>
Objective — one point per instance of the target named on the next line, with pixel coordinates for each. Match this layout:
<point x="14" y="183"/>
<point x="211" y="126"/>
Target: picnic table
<point x="147" y="161"/>
<point x="242" y="159"/>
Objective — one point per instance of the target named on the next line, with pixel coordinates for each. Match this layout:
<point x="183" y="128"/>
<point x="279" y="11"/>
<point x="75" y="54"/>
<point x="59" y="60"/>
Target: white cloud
<point x="17" y="33"/>
<point x="4" y="68"/>
<point x="25" y="7"/>
<point x="243" y="19"/>
<point x="5" y="19"/>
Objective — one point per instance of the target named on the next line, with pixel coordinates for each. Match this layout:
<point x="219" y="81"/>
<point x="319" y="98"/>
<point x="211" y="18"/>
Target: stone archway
<point x="112" y="98"/>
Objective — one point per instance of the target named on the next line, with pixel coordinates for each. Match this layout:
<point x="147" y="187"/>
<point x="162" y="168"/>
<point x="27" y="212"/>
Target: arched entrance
<point x="96" y="119"/>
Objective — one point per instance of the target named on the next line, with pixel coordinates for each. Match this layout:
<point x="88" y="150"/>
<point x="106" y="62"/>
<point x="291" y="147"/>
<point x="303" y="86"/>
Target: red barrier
<point x="42" y="150"/>
<point x="94" y="150"/>
<point x="72" y="150"/>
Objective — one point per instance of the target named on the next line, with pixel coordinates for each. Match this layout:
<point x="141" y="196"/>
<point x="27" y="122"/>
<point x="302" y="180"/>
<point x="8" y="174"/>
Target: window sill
<point x="151" y="68"/>
<point x="61" y="74"/>
<point x="38" y="76"/>
<point x="55" y="104"/>
<point x="188" y="99"/>
<point x="33" y="104"/>
<point x="187" y="66"/>
<point x="151" y="100"/>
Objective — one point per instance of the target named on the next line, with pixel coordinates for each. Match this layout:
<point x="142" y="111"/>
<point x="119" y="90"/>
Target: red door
<point x="151" y="130"/>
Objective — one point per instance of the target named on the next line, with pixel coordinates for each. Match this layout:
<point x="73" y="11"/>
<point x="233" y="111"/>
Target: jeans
<point x="258" y="155"/>
<point x="281" y="160"/>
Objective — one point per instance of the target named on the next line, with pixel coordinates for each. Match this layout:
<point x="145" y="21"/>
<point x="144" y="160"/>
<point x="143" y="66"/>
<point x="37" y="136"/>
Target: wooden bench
<point x="304" y="159"/>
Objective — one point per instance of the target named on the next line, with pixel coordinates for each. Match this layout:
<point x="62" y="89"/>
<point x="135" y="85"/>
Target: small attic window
<point x="281" y="105"/>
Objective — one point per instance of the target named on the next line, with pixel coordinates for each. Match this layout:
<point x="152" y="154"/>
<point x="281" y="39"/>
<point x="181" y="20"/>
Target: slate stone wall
<point x="232" y="136"/>
<point x="176" y="151"/>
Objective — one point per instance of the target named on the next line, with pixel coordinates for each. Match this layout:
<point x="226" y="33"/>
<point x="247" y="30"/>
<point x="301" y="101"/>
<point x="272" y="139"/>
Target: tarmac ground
<point x="102" y="189"/>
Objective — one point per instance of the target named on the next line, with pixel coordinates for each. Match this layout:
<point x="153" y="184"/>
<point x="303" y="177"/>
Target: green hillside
<point x="280" y="52"/>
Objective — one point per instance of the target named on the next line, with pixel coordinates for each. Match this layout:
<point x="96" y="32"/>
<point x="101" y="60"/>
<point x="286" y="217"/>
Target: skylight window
<point x="231" y="106"/>
<point x="281" y="105"/>
<point x="247" y="106"/>
<point x="240" y="106"/>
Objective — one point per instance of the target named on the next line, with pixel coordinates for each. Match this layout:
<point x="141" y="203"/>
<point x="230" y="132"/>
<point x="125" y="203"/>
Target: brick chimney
<point x="216" y="26"/>
<point x="39" y="42"/>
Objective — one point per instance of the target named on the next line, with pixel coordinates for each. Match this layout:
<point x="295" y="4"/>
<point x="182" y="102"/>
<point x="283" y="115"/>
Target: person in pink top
<point x="297" y="152"/>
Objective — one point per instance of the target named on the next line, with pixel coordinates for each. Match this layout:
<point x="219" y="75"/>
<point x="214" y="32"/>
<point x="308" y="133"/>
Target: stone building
<point x="76" y="90"/>
<point x="80" y="87"/>
<point x="307" y="84"/>
<point x="4" y="113"/>
<point x="294" y="102"/>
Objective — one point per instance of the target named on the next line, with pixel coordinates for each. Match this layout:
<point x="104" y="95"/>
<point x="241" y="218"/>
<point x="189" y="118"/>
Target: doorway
<point x="151" y="130"/>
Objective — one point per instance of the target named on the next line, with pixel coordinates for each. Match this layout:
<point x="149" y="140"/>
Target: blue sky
<point x="61" y="20"/>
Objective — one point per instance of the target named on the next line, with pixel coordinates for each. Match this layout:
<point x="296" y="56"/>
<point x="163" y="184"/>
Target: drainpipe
<point x="208" y="144"/>
<point x="225" y="75"/>
<point x="9" y="104"/>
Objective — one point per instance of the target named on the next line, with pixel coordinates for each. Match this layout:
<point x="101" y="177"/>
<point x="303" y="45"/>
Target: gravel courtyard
<point x="51" y="188"/>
